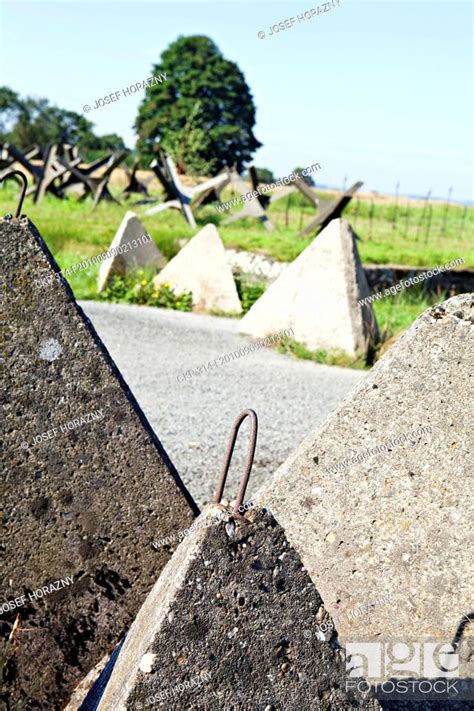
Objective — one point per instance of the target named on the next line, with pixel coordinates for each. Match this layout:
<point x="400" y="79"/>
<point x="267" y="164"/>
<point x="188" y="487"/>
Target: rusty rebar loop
<point x="228" y="456"/>
<point x="23" y="192"/>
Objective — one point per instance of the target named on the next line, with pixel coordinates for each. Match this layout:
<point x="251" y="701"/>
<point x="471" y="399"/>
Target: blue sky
<point x="378" y="91"/>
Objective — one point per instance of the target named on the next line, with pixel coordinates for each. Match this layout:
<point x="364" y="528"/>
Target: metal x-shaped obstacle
<point x="134" y="185"/>
<point x="70" y="154"/>
<point x="7" y="159"/>
<point x="97" y="186"/>
<point x="50" y="171"/>
<point x="252" y="208"/>
<point x="213" y="194"/>
<point x="59" y="167"/>
<point x="178" y="196"/>
<point x="44" y="173"/>
<point x="300" y="185"/>
<point x="332" y="210"/>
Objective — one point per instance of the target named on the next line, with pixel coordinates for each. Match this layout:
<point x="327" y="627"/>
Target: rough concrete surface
<point x="136" y="255"/>
<point x="255" y="265"/>
<point x="83" y="497"/>
<point x="83" y="688"/>
<point x="398" y="521"/>
<point x="228" y="620"/>
<point x="317" y="297"/>
<point x="201" y="267"/>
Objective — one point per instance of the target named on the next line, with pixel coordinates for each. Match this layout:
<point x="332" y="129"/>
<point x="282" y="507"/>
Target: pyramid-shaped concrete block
<point x="201" y="267"/>
<point x="317" y="296"/>
<point x="233" y="622"/>
<point x="376" y="500"/>
<point x="132" y="248"/>
<point x="89" y="486"/>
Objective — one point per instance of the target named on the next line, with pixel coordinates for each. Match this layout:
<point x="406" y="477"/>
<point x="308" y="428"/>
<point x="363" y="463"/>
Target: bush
<point x="139" y="289"/>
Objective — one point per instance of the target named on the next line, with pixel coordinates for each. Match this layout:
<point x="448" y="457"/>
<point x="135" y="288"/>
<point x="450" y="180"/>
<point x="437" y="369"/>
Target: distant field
<point x="409" y="235"/>
<point x="73" y="232"/>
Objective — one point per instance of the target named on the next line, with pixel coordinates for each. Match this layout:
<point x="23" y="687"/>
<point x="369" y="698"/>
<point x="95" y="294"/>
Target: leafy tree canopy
<point x="26" y="122"/>
<point x="203" y="114"/>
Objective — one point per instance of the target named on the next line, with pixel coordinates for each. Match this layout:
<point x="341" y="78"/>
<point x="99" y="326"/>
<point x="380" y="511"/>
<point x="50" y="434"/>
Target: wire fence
<point x="378" y="216"/>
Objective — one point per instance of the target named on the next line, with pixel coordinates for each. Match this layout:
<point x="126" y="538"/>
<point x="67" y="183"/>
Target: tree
<point x="264" y="175"/>
<point x="26" y="122"/>
<point x="188" y="141"/>
<point x="93" y="147"/>
<point x="306" y="178"/>
<point x="96" y="145"/>
<point x="10" y="107"/>
<point x="203" y="114"/>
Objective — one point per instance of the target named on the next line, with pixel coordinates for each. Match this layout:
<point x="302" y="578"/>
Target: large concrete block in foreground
<point x="88" y="487"/>
<point x="317" y="296"/>
<point x="232" y="623"/>
<point x="201" y="267"/>
<point x="376" y="501"/>
<point x="132" y="249"/>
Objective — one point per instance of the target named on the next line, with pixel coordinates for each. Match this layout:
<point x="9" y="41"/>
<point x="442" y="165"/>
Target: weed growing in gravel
<point x="331" y="357"/>
<point x="138" y="288"/>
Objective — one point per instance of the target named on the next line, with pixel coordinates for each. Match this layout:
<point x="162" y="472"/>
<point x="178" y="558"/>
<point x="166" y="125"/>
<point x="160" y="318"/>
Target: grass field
<point x="383" y="239"/>
<point x="73" y="231"/>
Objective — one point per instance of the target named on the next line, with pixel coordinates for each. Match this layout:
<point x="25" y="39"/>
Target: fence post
<point x="445" y="216"/>
<point x="301" y="217"/>
<point x="288" y="203"/>
<point x="423" y="213"/>
<point x="463" y="220"/>
<point x="407" y="219"/>
<point x="430" y="210"/>
<point x="394" y="221"/>
<point x="371" y="215"/>
<point x="357" y="211"/>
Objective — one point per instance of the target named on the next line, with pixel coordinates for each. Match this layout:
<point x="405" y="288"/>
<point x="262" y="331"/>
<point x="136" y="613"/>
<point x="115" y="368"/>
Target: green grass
<point x="73" y="232"/>
<point x="249" y="291"/>
<point x="383" y="240"/>
<point x="390" y="242"/>
<point x="333" y="357"/>
<point x="72" y="227"/>
<point x="396" y="313"/>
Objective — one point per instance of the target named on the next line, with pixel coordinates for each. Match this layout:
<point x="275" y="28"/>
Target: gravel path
<point x="192" y="419"/>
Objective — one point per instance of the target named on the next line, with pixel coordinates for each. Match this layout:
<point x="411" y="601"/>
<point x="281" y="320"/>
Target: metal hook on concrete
<point x="23" y="192"/>
<point x="228" y="456"/>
